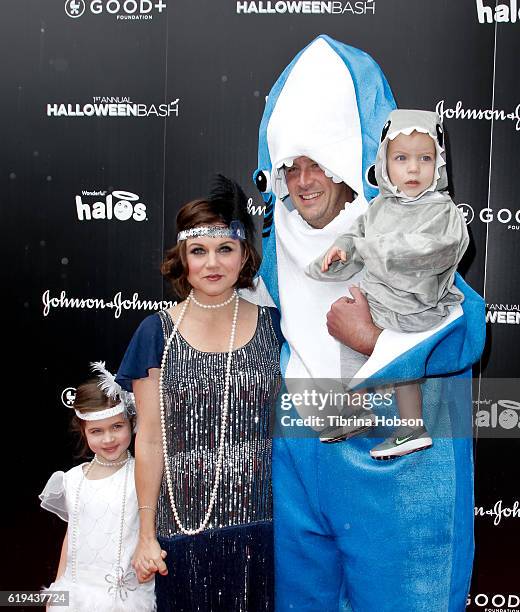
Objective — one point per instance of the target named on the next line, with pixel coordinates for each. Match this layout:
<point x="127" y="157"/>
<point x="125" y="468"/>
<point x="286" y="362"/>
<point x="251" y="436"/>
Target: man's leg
<point x="308" y="562"/>
<point x="405" y="527"/>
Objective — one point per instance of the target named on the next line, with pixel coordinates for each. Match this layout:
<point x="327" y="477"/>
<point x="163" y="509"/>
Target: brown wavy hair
<point x="175" y="267"/>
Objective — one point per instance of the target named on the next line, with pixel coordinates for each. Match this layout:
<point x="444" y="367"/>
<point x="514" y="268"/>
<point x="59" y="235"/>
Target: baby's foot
<point x="403" y="441"/>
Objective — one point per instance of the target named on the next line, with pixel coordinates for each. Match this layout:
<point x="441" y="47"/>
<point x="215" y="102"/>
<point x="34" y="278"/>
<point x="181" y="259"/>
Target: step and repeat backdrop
<point x="116" y="112"/>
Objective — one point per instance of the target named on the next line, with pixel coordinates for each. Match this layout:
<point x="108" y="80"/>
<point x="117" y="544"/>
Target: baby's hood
<point x="405" y="122"/>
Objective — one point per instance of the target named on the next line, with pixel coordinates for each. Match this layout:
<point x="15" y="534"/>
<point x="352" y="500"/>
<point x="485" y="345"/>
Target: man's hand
<point x="350" y="322"/>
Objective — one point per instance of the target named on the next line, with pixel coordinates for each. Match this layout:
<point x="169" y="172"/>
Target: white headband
<point x="101" y="414"/>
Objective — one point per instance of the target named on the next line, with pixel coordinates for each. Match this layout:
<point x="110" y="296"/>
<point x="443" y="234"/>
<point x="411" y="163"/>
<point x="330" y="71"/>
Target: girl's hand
<point x="335" y="254"/>
<point x="149" y="559"/>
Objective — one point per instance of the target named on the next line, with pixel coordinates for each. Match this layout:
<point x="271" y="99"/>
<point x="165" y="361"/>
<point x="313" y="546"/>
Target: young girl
<point x="410" y="242"/>
<point x="98" y="501"/>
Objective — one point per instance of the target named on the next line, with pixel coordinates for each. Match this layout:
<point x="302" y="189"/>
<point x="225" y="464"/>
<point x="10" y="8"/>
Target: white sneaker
<point x="403" y="441"/>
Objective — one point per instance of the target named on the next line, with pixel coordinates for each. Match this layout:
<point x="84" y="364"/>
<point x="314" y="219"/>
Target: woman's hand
<point x="149" y="559"/>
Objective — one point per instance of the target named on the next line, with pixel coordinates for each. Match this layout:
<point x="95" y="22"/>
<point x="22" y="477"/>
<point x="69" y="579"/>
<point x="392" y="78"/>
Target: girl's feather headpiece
<point x="107" y="383"/>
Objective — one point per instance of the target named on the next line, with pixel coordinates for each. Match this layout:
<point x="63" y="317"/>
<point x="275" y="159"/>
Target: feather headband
<point x="107" y="383"/>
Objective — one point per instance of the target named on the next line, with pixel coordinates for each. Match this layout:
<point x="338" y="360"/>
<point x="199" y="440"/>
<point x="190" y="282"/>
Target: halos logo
<point x="122" y="9"/>
<point x="503" y="313"/>
<point x="488" y="415"/>
<point x="499" y="602"/>
<point x="306" y="7"/>
<point x="74" y="8"/>
<point x="120" y="205"/>
<point x="467" y="212"/>
<point x="501" y="13"/>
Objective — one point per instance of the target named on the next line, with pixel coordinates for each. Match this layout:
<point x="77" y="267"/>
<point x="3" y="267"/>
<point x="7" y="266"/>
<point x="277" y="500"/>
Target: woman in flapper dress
<point x="205" y="374"/>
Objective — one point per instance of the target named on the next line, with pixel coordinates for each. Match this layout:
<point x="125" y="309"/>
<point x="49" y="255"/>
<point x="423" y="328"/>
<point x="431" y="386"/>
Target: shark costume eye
<point x="385" y="129"/>
<point x="262" y="180"/>
<point x="370" y="176"/>
<point x="440" y="134"/>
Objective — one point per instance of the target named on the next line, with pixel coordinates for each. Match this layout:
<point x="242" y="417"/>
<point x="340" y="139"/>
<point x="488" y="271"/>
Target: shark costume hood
<point x="338" y="123"/>
<point x="405" y="122"/>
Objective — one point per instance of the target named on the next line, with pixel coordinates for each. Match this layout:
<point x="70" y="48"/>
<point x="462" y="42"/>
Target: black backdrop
<point x="89" y="202"/>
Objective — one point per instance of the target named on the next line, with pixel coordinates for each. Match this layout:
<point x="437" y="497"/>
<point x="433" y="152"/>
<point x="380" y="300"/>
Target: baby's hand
<point x="334" y="254"/>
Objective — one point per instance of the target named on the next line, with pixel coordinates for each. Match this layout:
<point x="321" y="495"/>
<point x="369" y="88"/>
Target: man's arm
<point x="350" y="322"/>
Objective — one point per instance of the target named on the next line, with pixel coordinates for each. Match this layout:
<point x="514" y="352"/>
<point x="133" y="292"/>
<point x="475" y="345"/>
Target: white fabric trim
<point x="391" y="344"/>
<point x="304" y="301"/>
<point x="259" y="295"/>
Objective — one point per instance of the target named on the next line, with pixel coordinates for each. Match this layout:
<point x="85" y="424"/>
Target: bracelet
<point x="146" y="508"/>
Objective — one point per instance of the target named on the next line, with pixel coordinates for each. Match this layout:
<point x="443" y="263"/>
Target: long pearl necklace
<point x="200" y="305"/>
<point x="119" y="581"/>
<point x="223" y="422"/>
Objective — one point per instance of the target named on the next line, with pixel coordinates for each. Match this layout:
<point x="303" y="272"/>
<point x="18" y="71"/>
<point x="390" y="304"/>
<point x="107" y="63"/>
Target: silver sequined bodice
<point x="194" y="389"/>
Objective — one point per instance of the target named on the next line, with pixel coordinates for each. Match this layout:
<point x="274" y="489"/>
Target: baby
<point x="409" y="241"/>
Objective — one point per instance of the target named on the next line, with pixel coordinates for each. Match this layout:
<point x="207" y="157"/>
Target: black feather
<point x="231" y="203"/>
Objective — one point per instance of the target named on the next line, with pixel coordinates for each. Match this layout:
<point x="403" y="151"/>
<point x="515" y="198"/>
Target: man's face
<point x="314" y="195"/>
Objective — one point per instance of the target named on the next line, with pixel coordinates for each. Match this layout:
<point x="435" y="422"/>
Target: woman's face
<point x="213" y="264"/>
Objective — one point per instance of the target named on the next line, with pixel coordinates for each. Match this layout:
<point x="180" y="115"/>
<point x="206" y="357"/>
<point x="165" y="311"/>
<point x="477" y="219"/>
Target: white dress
<point x="98" y="532"/>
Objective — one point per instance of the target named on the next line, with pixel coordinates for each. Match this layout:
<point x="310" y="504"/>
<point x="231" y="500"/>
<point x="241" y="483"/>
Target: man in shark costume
<point x="352" y="534"/>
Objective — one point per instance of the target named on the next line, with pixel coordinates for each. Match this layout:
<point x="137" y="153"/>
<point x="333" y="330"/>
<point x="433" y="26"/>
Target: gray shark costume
<point x="410" y="246"/>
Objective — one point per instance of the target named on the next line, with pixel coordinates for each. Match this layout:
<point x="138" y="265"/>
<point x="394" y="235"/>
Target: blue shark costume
<point x="343" y="523"/>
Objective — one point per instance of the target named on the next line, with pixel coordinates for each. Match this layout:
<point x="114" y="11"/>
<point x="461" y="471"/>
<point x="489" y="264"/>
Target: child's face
<point x="410" y="162"/>
<point x="109" y="438"/>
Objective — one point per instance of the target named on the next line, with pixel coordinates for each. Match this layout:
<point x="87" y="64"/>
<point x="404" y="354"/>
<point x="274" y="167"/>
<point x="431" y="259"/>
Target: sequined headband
<point x="235" y="231"/>
<point x="101" y="414"/>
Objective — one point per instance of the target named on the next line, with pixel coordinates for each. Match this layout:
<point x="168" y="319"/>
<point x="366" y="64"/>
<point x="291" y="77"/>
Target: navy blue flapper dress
<point x="229" y="566"/>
